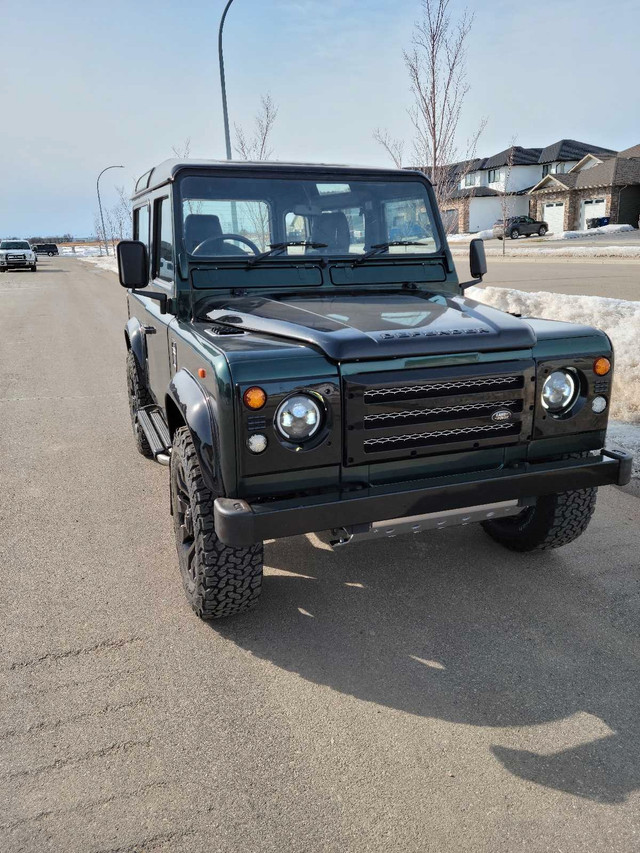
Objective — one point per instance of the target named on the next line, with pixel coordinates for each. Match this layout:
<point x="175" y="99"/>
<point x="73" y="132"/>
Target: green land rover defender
<point x="300" y="352"/>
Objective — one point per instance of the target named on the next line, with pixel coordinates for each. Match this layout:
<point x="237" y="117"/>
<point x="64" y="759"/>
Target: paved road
<point x="597" y="277"/>
<point x="434" y="694"/>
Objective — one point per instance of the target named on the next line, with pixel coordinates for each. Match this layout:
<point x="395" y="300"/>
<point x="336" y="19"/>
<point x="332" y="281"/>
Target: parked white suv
<point x="17" y="254"/>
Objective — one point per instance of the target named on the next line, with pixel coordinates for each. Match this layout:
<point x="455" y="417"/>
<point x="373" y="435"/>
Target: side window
<point x="163" y="242"/>
<point x="141" y="225"/>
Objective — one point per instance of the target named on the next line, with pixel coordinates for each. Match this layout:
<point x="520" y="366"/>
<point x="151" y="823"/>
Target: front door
<point x="157" y="236"/>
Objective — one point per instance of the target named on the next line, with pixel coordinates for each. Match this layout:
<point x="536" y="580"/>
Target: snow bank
<point x="465" y="238"/>
<point x="591" y="251"/>
<point x="619" y="318"/>
<point x="591" y="232"/>
<point x="105" y="263"/>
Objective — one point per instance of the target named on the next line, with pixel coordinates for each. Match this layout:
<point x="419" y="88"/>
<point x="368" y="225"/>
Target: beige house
<point x="598" y="185"/>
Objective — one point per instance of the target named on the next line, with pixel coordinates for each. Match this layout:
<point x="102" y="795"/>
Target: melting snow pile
<point x="591" y="232"/>
<point x="105" y="263"/>
<point x="479" y="235"/>
<point x="619" y="318"/>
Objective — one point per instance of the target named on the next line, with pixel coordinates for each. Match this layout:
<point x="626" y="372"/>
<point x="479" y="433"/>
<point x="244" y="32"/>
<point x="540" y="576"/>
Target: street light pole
<point x="104" y="233"/>
<point x="225" y="111"/>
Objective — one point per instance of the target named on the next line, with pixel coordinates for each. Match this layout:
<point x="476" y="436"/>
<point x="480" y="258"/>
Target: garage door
<point x="554" y="216"/>
<point x="450" y="221"/>
<point x="592" y="208"/>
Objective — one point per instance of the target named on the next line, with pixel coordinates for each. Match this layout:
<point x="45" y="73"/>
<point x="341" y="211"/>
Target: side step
<point x="156" y="432"/>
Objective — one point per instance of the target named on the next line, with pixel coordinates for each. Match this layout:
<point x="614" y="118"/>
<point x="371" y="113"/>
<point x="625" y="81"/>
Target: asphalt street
<point x="595" y="277"/>
<point x="435" y="693"/>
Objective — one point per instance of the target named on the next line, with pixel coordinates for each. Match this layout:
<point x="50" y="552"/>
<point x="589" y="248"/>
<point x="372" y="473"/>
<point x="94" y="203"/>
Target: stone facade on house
<point x="572" y="204"/>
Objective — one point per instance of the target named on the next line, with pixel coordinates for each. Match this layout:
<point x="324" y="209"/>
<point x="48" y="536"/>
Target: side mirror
<point x="133" y="263"/>
<point x="477" y="259"/>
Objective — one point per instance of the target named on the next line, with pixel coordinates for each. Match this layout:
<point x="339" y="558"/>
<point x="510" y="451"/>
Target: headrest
<point x="332" y="229"/>
<point x="199" y="227"/>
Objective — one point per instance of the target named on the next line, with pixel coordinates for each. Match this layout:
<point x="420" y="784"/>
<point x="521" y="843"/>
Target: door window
<point x="141" y="225"/>
<point x="163" y="244"/>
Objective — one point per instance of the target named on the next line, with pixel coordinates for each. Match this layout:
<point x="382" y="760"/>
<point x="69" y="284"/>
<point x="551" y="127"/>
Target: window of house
<point x="163" y="243"/>
<point x="141" y="225"/>
<point x="546" y="169"/>
<point x="470" y="179"/>
<point x="560" y="167"/>
<point x="494" y="176"/>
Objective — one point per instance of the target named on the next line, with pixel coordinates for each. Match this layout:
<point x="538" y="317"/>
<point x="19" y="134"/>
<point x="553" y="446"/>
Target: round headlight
<point x="559" y="391"/>
<point x="298" y="417"/>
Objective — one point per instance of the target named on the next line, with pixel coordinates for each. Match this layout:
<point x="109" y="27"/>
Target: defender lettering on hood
<point x="347" y="327"/>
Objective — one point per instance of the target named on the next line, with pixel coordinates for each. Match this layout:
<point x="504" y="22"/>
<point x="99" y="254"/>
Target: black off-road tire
<point x="34" y="268"/>
<point x="553" y="521"/>
<point x="218" y="580"/>
<point x="139" y="396"/>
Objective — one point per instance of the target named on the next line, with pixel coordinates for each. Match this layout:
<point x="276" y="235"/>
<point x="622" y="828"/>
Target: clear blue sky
<point x="84" y="85"/>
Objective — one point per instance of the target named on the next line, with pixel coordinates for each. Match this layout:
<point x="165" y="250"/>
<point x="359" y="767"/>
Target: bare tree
<point x="120" y="215"/>
<point x="97" y="227"/>
<point x="257" y="146"/>
<point x="436" y="68"/>
<point x="182" y="153"/>
<point x="394" y="147"/>
<point x="505" y="197"/>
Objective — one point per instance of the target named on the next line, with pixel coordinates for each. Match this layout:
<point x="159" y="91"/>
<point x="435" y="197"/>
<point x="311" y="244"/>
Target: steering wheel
<point x="217" y="239"/>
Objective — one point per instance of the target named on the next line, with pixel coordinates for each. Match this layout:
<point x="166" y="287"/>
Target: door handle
<point x="149" y="330"/>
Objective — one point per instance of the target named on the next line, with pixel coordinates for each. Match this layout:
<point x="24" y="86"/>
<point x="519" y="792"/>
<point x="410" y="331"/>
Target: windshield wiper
<point x="382" y="247"/>
<point x="280" y="247"/>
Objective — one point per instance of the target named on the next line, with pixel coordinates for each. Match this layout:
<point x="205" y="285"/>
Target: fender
<point x="199" y="411"/>
<point x="134" y="335"/>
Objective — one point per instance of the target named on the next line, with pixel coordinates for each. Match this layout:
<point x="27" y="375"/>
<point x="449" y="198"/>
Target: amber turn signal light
<point x="254" y="398"/>
<point x="202" y="373"/>
<point x="601" y="366"/>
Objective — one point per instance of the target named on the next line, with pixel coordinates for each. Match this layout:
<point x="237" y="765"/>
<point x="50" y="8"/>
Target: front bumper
<point x="17" y="263"/>
<point x="240" y="524"/>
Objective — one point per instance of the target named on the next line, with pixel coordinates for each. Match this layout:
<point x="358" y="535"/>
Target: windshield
<point x="245" y="216"/>
<point x="14" y="244"/>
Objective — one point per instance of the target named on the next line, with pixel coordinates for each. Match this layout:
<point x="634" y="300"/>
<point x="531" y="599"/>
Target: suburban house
<point x="598" y="185"/>
<point x="481" y="185"/>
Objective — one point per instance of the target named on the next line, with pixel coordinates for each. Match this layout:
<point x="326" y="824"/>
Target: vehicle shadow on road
<point x="450" y="626"/>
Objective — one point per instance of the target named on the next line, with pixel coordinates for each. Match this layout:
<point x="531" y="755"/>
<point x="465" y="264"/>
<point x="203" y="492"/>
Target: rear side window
<point x="163" y="244"/>
<point x="141" y="225"/>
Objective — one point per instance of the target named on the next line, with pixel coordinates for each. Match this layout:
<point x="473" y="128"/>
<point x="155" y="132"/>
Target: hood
<point x="354" y="326"/>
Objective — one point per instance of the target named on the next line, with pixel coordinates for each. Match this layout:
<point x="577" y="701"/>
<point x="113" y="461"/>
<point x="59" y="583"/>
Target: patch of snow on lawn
<point x="79" y="251"/>
<point x="465" y="238"/>
<point x="619" y="318"/>
<point x="591" y="232"/>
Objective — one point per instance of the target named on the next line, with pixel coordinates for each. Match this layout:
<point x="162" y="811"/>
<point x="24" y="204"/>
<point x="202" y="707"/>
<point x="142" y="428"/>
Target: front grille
<point x="416" y="416"/>
<point x="442" y="389"/>
<point x="436" y="410"/>
<point x="419" y="439"/>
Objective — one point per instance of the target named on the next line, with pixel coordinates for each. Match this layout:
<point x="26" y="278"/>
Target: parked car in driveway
<point x="17" y="254"/>
<point x="516" y="226"/>
<point x="45" y="249"/>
